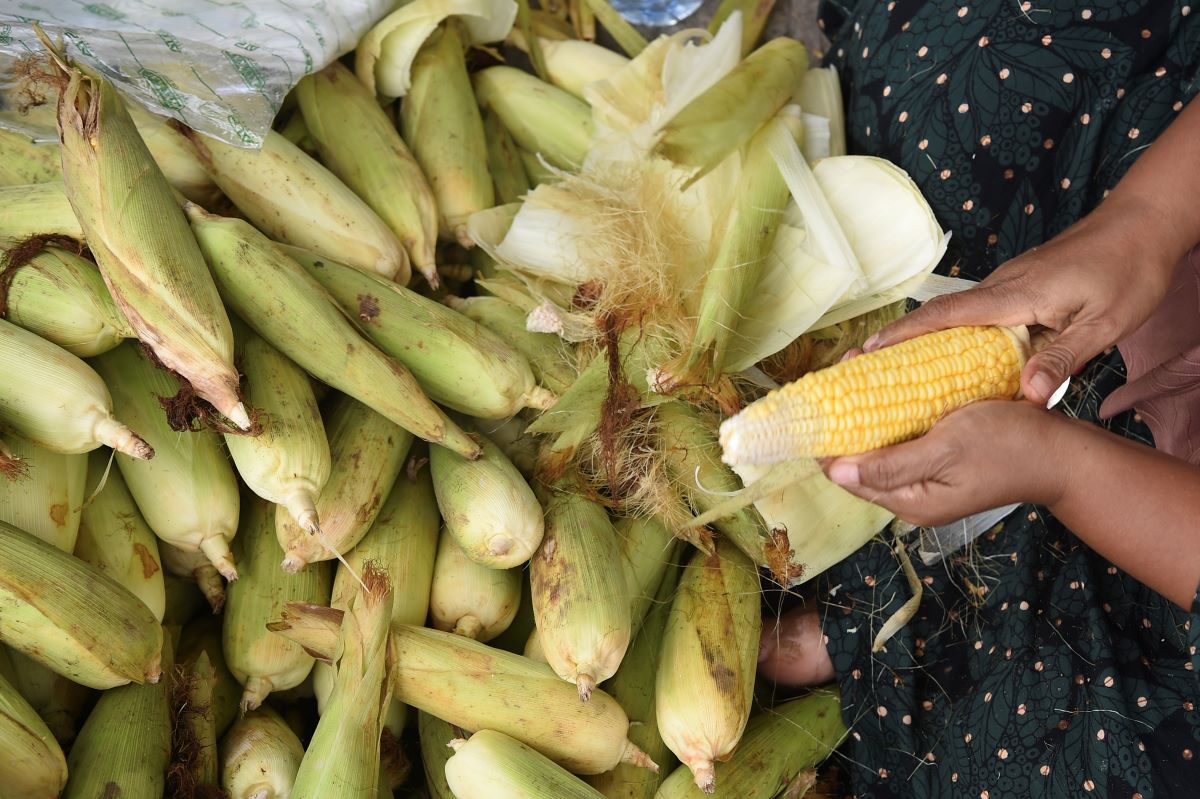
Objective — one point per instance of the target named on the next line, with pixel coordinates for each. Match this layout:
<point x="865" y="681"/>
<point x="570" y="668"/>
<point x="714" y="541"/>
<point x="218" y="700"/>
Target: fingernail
<point x="870" y="343"/>
<point x="844" y="474"/>
<point x="1043" y="385"/>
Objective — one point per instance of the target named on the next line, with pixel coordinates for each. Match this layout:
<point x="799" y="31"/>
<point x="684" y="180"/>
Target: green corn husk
<point x="260" y="756"/>
<point x="42" y="209"/>
<point x="487" y="506"/>
<point x="705" y="683"/>
<point x="115" y="538"/>
<point x="573" y="64"/>
<point x="648" y="551"/>
<point x="580" y="598"/>
<point x="194" y="567"/>
<point x="537" y="172"/>
<point x="441" y="122"/>
<point x="360" y="144"/>
<point x="194" y="768"/>
<point x="62" y="297"/>
<point x="754" y="18"/>
<point x="545" y="353"/>
<point x="289" y="308"/>
<point x="541" y="117"/>
<point x="435" y="737"/>
<point x="522" y="627"/>
<point x="288" y="462"/>
<point x="509" y="436"/>
<point x="504" y="162"/>
<point x="204" y="637"/>
<point x="33" y="766"/>
<point x="184" y="602"/>
<point x="141" y="240"/>
<point x="56" y="400"/>
<point x="296" y="131"/>
<point x="367" y="453"/>
<point x="469" y="599"/>
<point x="293" y="199"/>
<point x="24" y="162"/>
<point x="727" y="115"/>
<point x="261" y="661"/>
<point x="491" y="765"/>
<point x="125" y="745"/>
<point x="458" y="363"/>
<point x="175" y="157"/>
<point x="68" y="616"/>
<point x="60" y="702"/>
<point x="46" y="501"/>
<point x="624" y="34"/>
<point x="188" y="493"/>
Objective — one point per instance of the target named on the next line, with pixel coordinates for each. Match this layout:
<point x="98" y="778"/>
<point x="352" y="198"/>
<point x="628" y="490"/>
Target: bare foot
<point x="792" y="650"/>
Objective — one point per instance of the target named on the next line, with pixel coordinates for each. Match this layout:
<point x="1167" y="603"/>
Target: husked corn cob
<point x="435" y="736"/>
<point x="262" y="661"/>
<point x="62" y="297"/>
<point x="504" y="162"/>
<point x="360" y="144"/>
<point x="491" y="765"/>
<point x="287" y="307"/>
<point x="141" y="240"/>
<point x="68" y="616"/>
<point x="580" y="598"/>
<point x="487" y="506"/>
<point x="542" y="118"/>
<point x="194" y="566"/>
<point x="33" y="765"/>
<point x="458" y="362"/>
<point x="42" y="209"/>
<point x="469" y="599"/>
<point x="367" y="453"/>
<point x="260" y="756"/>
<point x="47" y="499"/>
<point x="115" y="538"/>
<point x="56" y="400"/>
<point x="880" y="398"/>
<point x="175" y="157"/>
<point x="24" y="161"/>
<point x="188" y="494"/>
<point x="545" y="352"/>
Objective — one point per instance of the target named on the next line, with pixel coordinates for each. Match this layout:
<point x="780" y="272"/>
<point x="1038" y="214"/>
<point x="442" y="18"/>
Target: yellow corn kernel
<point x="880" y="398"/>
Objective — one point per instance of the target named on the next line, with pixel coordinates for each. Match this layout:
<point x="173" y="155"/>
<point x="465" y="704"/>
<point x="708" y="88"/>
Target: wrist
<point x="1062" y="445"/>
<point x="1154" y="226"/>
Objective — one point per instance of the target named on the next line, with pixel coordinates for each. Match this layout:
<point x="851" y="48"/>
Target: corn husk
<point x="458" y="363"/>
<point x="296" y="131"/>
<point x="533" y="648"/>
<point x="754" y="19"/>
<point x="204" y="637"/>
<point x="580" y="598"/>
<point x="47" y="499"/>
<point x="572" y="64"/>
<point x="194" y="567"/>
<point x="262" y="661"/>
<point x="367" y="452"/>
<point x="188" y="493"/>
<point x="504" y="162"/>
<point x="361" y="146"/>
<point x="42" y="209"/>
<point x="522" y="627"/>
<point x="33" y="765"/>
<point x="435" y="737"/>
<point x="260" y="756"/>
<point x="491" y="765"/>
<point x="648" y="552"/>
<point x="705" y="683"/>
<point x="469" y="599"/>
<point x="195" y="765"/>
<point x="288" y="308"/>
<point x="115" y="538"/>
<point x="184" y="602"/>
<point x="547" y="354"/>
<point x="60" y="702"/>
<point x="536" y="169"/>
<point x="542" y="118"/>
<point x="821" y="94"/>
<point x="175" y="157"/>
<point x="56" y="400"/>
<point x="24" y="161"/>
<point x="68" y="616"/>
<point x="487" y="506"/>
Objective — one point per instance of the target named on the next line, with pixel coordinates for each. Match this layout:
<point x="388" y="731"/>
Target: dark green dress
<point x="1034" y="668"/>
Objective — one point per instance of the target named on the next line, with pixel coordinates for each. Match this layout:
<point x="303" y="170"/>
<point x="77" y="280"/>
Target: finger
<point x="1047" y="370"/>
<point x="888" y="469"/>
<point x="853" y="352"/>
<point x="1006" y="303"/>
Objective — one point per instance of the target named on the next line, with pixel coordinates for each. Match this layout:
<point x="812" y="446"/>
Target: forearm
<point x="1136" y="506"/>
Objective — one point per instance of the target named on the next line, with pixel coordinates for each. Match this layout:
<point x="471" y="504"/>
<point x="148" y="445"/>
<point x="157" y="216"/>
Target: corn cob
<point x="288" y="462"/>
<point x="260" y="756"/>
<point x="296" y="131"/>
<point x="360" y="144"/>
<point x="115" y="538"/>
<point x="487" y="506"/>
<point x="63" y="299"/>
<point x="141" y="241"/>
<point x="42" y="209"/>
<point x="536" y="169"/>
<point x="518" y="633"/>
<point x="56" y="400"/>
<point x="648" y="550"/>
<point x="194" y="765"/>
<point x="541" y="117"/>
<point x="261" y="661"/>
<point x="188" y="494"/>
<point x="61" y="703"/>
<point x="546" y="353"/>
<point x="195" y="567"/>
<point x="203" y="637"/>
<point x="47" y="500"/>
<point x="491" y="765"/>
<point x="367" y="453"/>
<point x="880" y="398"/>
<point x="184" y="602"/>
<point x="175" y="157"/>
<point x="504" y="162"/>
<point x="68" y="616"/>
<point x="435" y="737"/>
<point x="293" y="199"/>
<point x="470" y="599"/>
<point x="33" y="766"/>
<point x="705" y="683"/>
<point x="533" y="648"/>
<point x="754" y="19"/>
<point x="283" y="304"/>
<point x="572" y="64"/>
<point x="580" y="599"/>
<point x="26" y="162"/>
<point x="125" y="744"/>
<point x="779" y="745"/>
<point x="456" y="361"/>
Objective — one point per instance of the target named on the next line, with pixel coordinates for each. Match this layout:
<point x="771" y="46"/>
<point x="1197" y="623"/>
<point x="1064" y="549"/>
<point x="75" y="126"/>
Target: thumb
<point x="1048" y="368"/>
<point x="1002" y="303"/>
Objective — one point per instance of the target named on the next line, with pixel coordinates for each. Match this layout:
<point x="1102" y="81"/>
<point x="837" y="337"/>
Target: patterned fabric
<point x="1033" y="667"/>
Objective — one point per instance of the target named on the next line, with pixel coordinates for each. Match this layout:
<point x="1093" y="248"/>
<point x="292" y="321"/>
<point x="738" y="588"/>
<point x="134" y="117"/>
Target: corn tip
<point x="636" y="757"/>
<point x="586" y="683"/>
<point x="256" y="691"/>
<point x="238" y="415"/>
<point x="292" y="563"/>
<point x="540" y="398"/>
<point x="705" y="776"/>
<point x="216" y="549"/>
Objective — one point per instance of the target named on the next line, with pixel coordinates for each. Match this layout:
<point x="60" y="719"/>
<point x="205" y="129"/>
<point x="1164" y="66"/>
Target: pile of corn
<point x="294" y="502"/>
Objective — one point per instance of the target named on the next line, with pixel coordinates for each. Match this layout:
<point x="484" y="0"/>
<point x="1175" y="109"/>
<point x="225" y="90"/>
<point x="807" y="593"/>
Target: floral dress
<point x="1034" y="667"/>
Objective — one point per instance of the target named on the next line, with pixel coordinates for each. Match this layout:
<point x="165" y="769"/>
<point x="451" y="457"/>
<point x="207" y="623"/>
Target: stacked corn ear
<point x="47" y="498"/>
<point x="469" y="599"/>
<point x="580" y="596"/>
<point x="648" y="552"/>
<point x="24" y="161"/>
<point x="368" y="452"/>
<point x="33" y="765"/>
<point x="361" y="146"/>
<point x="435" y="737"/>
<point x="175" y="157"/>
<point x="458" y="363"/>
<point x="59" y="701"/>
<point x="260" y="756"/>
<point x="262" y="661"/>
<point x="533" y="648"/>
<point x="188" y="493"/>
<point x="548" y="356"/>
<point x="195" y="764"/>
<point x="142" y="243"/>
<point x="517" y="635"/>
<point x="491" y="765"/>
<point x="541" y="118"/>
<point x="487" y="506"/>
<point x="62" y="297"/>
<point x="195" y="567"/>
<point x="67" y="615"/>
<point x="509" y="435"/>
<point x="184" y="602"/>
<point x="287" y="307"/>
<point x="296" y="131"/>
<point x="509" y="180"/>
<point x="204" y="637"/>
<point x="705" y="683"/>
<point x="115" y="538"/>
<point x="56" y="400"/>
<point x="288" y="461"/>
<point x="572" y="64"/>
<point x="42" y="209"/>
